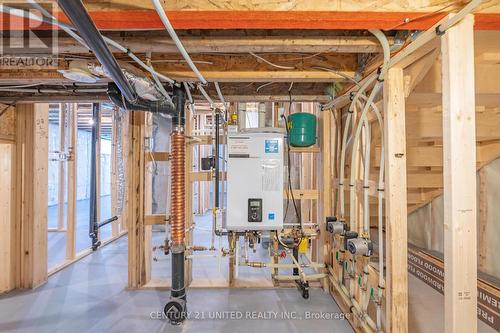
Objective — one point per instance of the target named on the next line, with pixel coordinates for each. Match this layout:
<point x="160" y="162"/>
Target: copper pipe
<point x="178" y="159"/>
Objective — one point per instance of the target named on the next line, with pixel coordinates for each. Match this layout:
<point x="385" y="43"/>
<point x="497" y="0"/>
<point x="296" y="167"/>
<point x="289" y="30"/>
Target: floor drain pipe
<point x="175" y="309"/>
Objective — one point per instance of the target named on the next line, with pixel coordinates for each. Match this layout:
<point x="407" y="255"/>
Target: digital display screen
<point x="254" y="203"/>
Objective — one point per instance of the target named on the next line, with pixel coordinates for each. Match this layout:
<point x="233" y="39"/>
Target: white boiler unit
<point x="255" y="181"/>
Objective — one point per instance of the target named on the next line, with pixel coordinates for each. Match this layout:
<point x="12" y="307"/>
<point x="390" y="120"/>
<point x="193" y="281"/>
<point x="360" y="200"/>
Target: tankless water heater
<point x="255" y="181"/>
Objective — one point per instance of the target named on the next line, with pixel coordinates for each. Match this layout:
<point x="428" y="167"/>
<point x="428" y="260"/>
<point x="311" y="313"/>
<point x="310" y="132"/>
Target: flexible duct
<point x="162" y="106"/>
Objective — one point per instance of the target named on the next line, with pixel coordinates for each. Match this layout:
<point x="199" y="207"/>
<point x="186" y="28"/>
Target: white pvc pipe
<point x="385" y="46"/>
<point x="219" y="93"/>
<point x="175" y="38"/>
<point x="204" y="93"/>
<point x="366" y="176"/>
<point x="354" y="155"/>
<point x="342" y="164"/>
<point x="188" y="92"/>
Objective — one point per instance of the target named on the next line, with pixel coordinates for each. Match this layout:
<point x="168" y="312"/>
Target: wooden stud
<point x="326" y="193"/>
<point x="115" y="226"/>
<point x="459" y="177"/>
<point x="125" y="123"/>
<point x="483" y="219"/>
<point x="32" y="196"/>
<point x="135" y="184"/>
<point x="395" y="203"/>
<point x="72" y="181"/>
<point x="188" y="129"/>
<point x="98" y="172"/>
<point x="7" y="218"/>
<point x="148" y="200"/>
<point x="62" y="168"/>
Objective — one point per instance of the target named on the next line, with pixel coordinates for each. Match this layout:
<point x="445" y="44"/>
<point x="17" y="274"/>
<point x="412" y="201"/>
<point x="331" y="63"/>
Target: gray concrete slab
<point x="56" y="240"/>
<point x="91" y="295"/>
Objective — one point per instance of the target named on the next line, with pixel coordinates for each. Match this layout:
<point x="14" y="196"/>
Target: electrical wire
<point x="204" y="93"/>
<point x="270" y="63"/>
<point x="263" y="85"/>
<point x="423" y="16"/>
<point x="219" y="93"/>
<point x="290" y="188"/>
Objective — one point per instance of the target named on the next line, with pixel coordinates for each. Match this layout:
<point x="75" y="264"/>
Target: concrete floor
<point x="56" y="241"/>
<point x="91" y="295"/>
<point x="95" y="287"/>
<point x="426" y="309"/>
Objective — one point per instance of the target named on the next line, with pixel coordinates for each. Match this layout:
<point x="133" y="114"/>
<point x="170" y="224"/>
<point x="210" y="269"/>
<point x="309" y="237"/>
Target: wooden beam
<point x="158" y="42"/>
<point x="395" y="202"/>
<point x="426" y="124"/>
<point x="32" y="188"/>
<point x="302" y="194"/>
<point x="156" y="219"/>
<point x="305" y="149"/>
<point x="257" y="76"/>
<point x="157" y="156"/>
<point x="269" y="18"/>
<point x="240" y="67"/>
<point x="415" y="73"/>
<point x="459" y="146"/>
<point x="432" y="156"/>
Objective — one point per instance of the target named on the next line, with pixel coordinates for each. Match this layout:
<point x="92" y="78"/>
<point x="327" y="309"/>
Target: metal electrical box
<point x="255" y="181"/>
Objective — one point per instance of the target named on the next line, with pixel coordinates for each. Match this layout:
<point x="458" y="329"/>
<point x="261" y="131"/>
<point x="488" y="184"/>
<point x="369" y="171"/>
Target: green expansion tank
<point x="302" y="128"/>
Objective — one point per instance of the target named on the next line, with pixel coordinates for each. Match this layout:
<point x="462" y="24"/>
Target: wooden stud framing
<point x="62" y="168"/>
<point x="395" y="203"/>
<point x="125" y="135"/>
<point x="115" y="226"/>
<point x="72" y="177"/>
<point x="459" y="178"/>
<point x="326" y="209"/>
<point x="483" y="218"/>
<point x="7" y="217"/>
<point x="98" y="172"/>
<point x="32" y="187"/>
<point x="148" y="200"/>
<point x="188" y="270"/>
<point x="135" y="171"/>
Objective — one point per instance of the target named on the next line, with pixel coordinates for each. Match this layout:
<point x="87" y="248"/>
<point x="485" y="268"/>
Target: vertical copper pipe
<point x="178" y="159"/>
